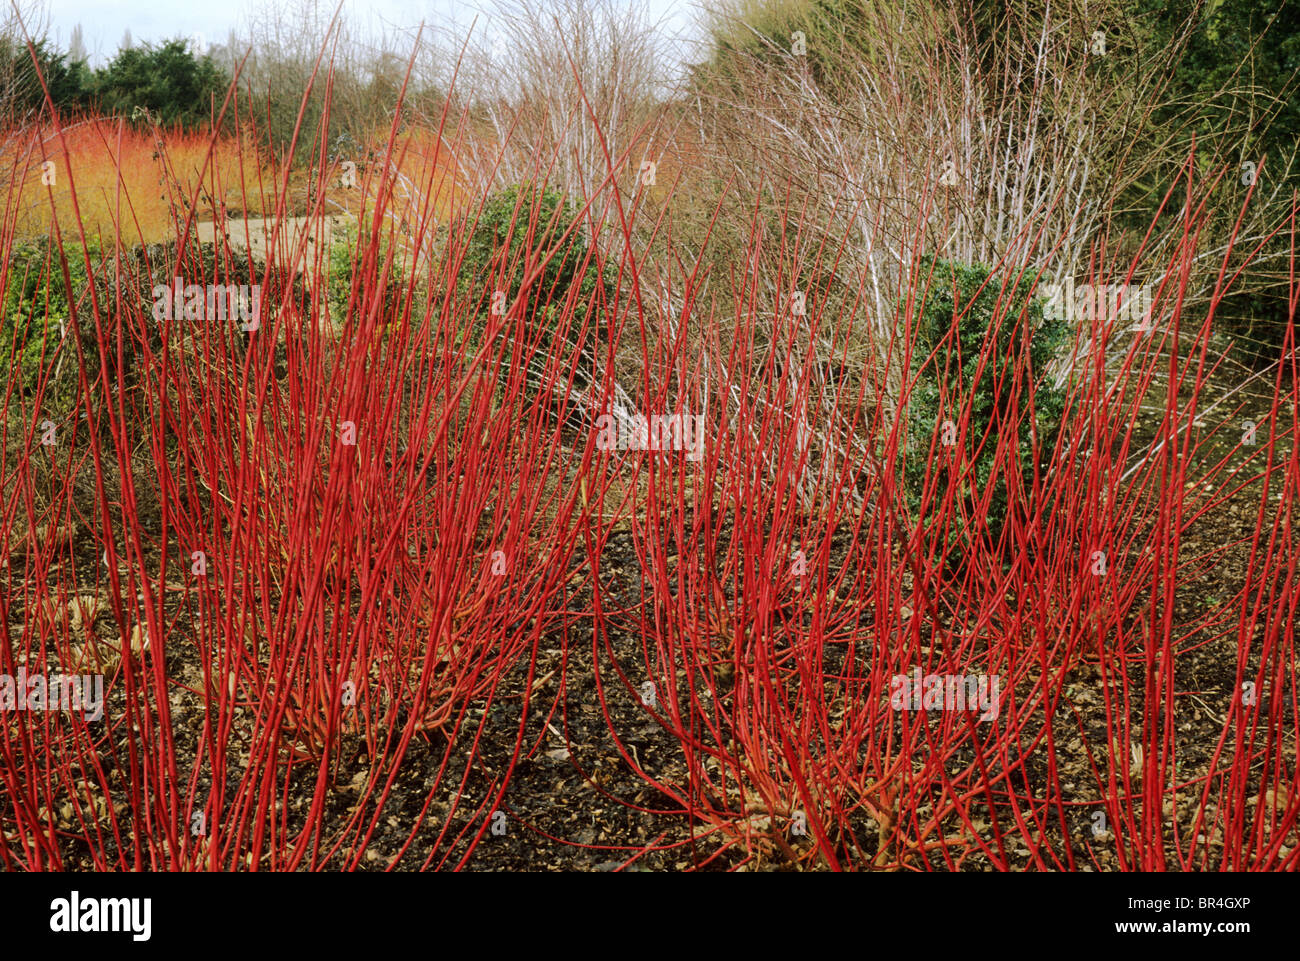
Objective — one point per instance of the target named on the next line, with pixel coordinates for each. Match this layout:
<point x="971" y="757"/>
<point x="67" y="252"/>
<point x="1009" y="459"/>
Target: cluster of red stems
<point x="370" y="530"/>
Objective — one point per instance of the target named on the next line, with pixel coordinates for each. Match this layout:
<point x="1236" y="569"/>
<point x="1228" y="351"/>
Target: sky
<point x="104" y="22"/>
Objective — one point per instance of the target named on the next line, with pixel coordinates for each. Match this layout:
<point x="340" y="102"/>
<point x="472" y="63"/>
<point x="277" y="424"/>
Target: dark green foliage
<point x="1235" y="88"/>
<point x="352" y="270"/>
<point x="947" y="381"/>
<point x="168" y="80"/>
<point x="500" y="252"/>
<point x="36" y="329"/>
<point x="1241" y="61"/>
<point x="69" y="82"/>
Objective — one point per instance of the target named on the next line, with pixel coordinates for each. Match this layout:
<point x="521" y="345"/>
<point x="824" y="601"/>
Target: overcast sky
<point x="104" y="22"/>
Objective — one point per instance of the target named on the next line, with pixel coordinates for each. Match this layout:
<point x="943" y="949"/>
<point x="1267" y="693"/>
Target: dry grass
<point x="111" y="172"/>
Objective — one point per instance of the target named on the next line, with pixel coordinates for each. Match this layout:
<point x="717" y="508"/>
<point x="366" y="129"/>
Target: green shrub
<point x="499" y="254"/>
<point x="37" y="311"/>
<point x="338" y="280"/>
<point x="951" y="372"/>
<point x="346" y="269"/>
<point x="174" y="85"/>
<point x="69" y="81"/>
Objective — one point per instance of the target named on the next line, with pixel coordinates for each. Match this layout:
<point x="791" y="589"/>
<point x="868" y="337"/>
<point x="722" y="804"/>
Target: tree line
<point x="169" y="79"/>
